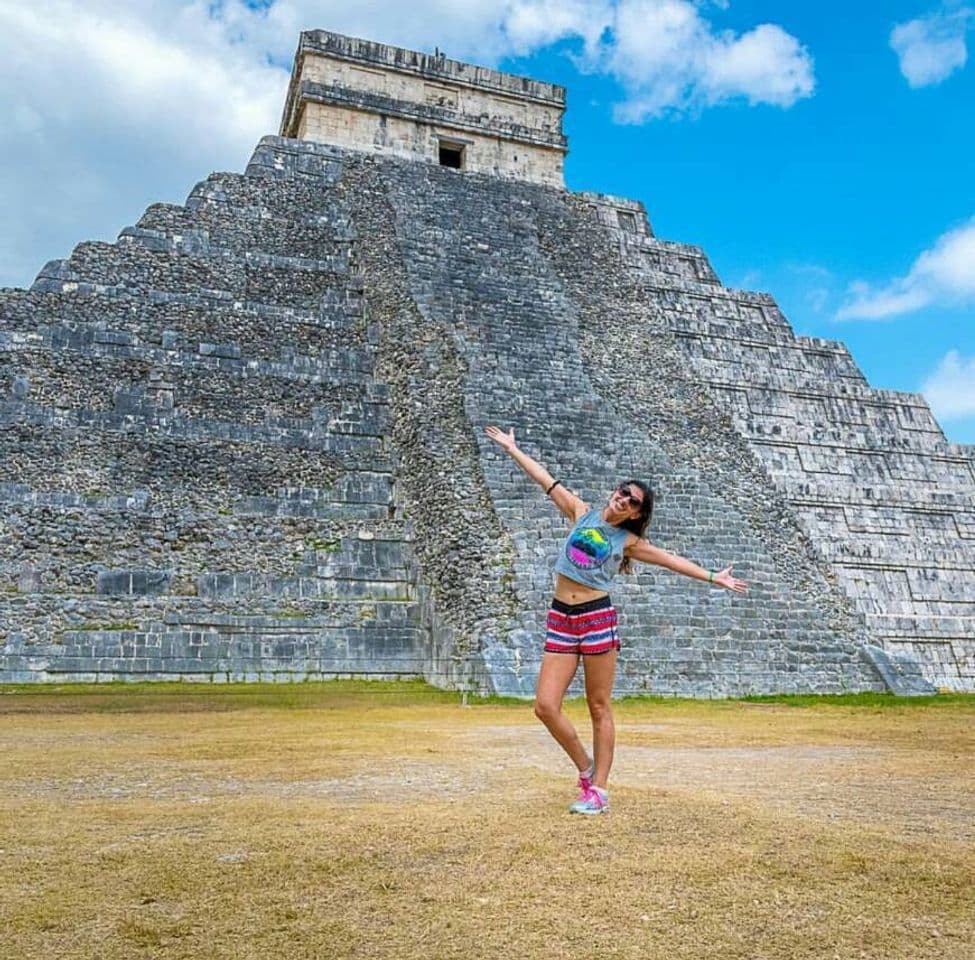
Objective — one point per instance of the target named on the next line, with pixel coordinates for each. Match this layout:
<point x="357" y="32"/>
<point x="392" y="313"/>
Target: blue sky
<point x="822" y="152"/>
<point x="850" y="184"/>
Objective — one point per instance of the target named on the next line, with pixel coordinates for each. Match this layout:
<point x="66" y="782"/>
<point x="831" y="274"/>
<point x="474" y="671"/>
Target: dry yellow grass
<point x="334" y="822"/>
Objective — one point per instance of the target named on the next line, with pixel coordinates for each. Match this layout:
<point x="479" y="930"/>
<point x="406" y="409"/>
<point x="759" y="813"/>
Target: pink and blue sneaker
<point x="585" y="781"/>
<point x="594" y="801"/>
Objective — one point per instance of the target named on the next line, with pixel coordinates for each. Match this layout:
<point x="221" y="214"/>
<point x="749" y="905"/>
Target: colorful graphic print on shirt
<point x="588" y="548"/>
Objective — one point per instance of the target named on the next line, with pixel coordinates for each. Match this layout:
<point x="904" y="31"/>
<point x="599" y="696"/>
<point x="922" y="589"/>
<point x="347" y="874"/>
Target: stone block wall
<point x="506" y="275"/>
<point x="246" y="440"/>
<point x="420" y="137"/>
<point x="195" y="475"/>
<point x="369" y="96"/>
<point x="887" y="502"/>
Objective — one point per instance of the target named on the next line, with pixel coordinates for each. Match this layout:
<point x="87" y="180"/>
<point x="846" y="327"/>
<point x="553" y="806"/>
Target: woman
<point x="582" y="621"/>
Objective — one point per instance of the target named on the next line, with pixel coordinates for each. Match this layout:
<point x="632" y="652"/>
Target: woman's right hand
<point x="502" y="439"/>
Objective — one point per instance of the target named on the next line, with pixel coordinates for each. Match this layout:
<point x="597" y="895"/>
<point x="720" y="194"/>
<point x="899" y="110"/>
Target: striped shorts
<point x="582" y="628"/>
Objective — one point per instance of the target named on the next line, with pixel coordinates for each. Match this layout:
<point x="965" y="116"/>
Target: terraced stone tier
<point x="887" y="501"/>
<point x="188" y="322"/>
<point x="246" y="441"/>
<point x="194" y="476"/>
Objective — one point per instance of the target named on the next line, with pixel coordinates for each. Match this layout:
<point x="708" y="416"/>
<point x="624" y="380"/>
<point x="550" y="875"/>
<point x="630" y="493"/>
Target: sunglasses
<point x="626" y="492"/>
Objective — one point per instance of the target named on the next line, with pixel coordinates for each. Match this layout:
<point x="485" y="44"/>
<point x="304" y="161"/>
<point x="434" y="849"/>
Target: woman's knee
<point x="547" y="710"/>
<point x="600" y="708"/>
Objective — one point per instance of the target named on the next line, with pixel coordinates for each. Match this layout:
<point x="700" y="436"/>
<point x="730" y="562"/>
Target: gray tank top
<point x="593" y="552"/>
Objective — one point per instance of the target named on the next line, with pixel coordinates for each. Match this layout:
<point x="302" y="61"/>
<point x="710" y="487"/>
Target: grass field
<point x="388" y="821"/>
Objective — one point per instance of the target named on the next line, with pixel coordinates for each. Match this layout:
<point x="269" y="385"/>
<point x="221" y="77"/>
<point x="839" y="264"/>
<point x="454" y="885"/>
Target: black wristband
<point x="555" y="483"/>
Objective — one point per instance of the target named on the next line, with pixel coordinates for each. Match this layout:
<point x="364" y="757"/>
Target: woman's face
<point x="627" y="499"/>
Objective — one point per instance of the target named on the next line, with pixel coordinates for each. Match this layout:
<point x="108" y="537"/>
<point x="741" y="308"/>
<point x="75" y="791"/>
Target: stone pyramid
<point x="245" y="441"/>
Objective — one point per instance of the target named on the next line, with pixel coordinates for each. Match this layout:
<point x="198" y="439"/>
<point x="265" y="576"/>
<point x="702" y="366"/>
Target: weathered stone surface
<point x="369" y="96"/>
<point x="246" y="442"/>
<point x="902" y="674"/>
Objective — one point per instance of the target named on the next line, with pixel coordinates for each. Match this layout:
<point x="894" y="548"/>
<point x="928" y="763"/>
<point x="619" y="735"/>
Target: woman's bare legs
<point x="554" y="678"/>
<point x="600" y="671"/>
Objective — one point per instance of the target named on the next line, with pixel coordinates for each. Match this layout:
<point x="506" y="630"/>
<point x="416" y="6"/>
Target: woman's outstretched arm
<point x="564" y="499"/>
<point x="648" y="553"/>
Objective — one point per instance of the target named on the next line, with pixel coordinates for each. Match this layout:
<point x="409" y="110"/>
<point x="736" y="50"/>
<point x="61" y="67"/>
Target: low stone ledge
<point x="149" y="583"/>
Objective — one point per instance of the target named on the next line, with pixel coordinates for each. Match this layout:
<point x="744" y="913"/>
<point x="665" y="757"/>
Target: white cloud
<point x="530" y="26"/>
<point x="932" y="47"/>
<point x="108" y="107"/>
<point x="943" y="275"/>
<point x="950" y="389"/>
<point x="669" y="58"/>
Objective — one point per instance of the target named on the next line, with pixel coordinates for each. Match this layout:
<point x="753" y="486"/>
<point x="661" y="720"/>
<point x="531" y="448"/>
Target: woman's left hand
<point x="726" y="580"/>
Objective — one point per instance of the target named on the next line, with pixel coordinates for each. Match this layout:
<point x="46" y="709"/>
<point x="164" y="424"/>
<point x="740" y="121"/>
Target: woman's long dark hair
<point x="638" y="525"/>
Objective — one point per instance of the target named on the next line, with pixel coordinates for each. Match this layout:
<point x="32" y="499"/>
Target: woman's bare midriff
<point x="568" y="591"/>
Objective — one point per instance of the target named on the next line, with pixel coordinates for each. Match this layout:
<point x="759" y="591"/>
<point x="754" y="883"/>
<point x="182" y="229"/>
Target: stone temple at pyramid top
<point x="373" y="97"/>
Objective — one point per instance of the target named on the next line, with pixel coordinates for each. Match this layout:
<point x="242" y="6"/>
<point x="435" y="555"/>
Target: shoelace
<point x="585" y="785"/>
<point x="591" y="796"/>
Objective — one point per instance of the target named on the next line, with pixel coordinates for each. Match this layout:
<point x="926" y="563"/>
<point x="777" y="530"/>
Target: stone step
<point x="15" y="494"/>
<point x="80" y="319"/>
<point x="278" y="281"/>
<point x="931" y="619"/>
<point x="783" y="390"/>
<point x="364" y="487"/>
<point x="954" y="533"/>
<point x="659" y="260"/>
<point x="354" y="569"/>
<point x="80" y="449"/>
<point x="795" y="464"/>
<point x="261" y="585"/>
<point x="110" y="359"/>
<point x="162" y="613"/>
<point x="137" y="244"/>
<point x="731" y="362"/>
<point x="153" y="520"/>
<point x="723" y="307"/>
<point x="232" y="190"/>
<point x="688" y="324"/>
<point x="123" y="387"/>
<point x="871" y="588"/>
<point x="917" y="584"/>
<point x="754" y="311"/>
<point x="305" y="165"/>
<point x="283" y="241"/>
<point x="905" y="552"/>
<point x="252" y="211"/>
<point x="888" y="520"/>
<point x="811" y="401"/>
<point x="947" y="627"/>
<point x="637" y="242"/>
<point x="266" y="648"/>
<point x="824" y="345"/>
<point x="67" y="353"/>
<point x="163" y="549"/>
<point x="879" y="438"/>
<point x="811" y="491"/>
<point x="319" y="508"/>
<point x="254" y="189"/>
<point x="371" y="614"/>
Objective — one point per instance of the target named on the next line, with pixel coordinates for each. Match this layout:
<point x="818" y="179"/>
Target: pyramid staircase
<point x="245" y="441"/>
<point x="476" y="253"/>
